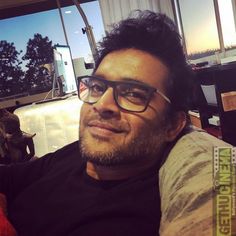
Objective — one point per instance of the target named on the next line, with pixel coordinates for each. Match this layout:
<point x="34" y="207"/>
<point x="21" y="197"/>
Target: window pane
<point x="26" y="36"/>
<point x="199" y="26"/>
<point x="18" y="73"/>
<point x="73" y="21"/>
<point x="227" y="23"/>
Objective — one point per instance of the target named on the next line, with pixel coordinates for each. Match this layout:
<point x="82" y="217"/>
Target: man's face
<point x="112" y="136"/>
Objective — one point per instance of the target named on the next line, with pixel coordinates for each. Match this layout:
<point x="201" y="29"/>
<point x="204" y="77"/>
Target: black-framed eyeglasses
<point x="131" y="96"/>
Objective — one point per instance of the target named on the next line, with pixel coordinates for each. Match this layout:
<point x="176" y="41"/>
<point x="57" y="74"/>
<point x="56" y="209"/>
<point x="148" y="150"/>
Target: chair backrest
<point x="219" y="88"/>
<point x="209" y="92"/>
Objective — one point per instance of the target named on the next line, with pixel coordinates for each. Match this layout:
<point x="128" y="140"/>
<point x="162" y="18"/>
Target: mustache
<point x="112" y="123"/>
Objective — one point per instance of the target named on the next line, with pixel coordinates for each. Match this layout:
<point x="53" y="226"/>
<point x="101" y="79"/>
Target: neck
<point x="116" y="172"/>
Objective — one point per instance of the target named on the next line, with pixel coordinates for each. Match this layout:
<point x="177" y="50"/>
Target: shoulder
<point x="71" y="150"/>
<point x="43" y="164"/>
<point x="23" y="174"/>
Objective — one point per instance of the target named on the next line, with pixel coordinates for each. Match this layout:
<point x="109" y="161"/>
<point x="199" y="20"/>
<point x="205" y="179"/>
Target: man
<point x="135" y="105"/>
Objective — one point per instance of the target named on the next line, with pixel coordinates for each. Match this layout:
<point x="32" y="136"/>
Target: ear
<point x="177" y="125"/>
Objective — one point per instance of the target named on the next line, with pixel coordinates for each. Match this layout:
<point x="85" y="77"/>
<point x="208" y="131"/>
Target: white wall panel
<point x="115" y="10"/>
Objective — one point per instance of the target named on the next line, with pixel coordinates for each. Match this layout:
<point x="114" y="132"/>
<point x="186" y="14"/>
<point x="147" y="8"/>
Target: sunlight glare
<point x="228" y="23"/>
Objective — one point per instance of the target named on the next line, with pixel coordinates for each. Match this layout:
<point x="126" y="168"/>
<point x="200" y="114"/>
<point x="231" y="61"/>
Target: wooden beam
<point x="14" y="8"/>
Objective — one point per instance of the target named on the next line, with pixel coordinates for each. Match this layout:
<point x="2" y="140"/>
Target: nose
<point x="106" y="105"/>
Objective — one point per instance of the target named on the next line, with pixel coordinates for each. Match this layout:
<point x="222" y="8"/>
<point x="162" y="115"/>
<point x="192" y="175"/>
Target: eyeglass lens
<point x="129" y="96"/>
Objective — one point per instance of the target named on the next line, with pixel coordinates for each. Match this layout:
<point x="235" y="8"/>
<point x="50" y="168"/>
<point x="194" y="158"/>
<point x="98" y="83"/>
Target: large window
<point x="227" y="18"/>
<point x="74" y="25"/>
<point x="26" y="47"/>
<point x="207" y="26"/>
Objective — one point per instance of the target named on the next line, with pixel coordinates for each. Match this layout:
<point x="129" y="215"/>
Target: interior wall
<point x="115" y="10"/>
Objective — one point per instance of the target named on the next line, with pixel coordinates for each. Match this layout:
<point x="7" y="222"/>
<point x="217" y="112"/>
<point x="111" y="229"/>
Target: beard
<point x="147" y="145"/>
<point x="133" y="152"/>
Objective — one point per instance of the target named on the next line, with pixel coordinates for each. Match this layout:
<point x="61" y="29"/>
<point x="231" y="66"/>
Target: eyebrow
<point x="133" y="80"/>
<point x="125" y="79"/>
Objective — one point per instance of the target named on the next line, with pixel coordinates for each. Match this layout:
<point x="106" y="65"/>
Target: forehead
<point x="133" y="64"/>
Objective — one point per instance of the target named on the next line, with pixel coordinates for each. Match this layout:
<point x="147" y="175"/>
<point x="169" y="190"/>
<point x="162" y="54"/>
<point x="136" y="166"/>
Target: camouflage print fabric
<point x="186" y="186"/>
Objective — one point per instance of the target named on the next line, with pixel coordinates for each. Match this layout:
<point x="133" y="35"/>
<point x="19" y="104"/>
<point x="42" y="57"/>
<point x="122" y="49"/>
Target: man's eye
<point x="96" y="88"/>
<point x="135" y="97"/>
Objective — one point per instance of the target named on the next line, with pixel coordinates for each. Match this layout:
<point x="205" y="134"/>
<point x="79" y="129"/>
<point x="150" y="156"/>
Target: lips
<point x="104" y="126"/>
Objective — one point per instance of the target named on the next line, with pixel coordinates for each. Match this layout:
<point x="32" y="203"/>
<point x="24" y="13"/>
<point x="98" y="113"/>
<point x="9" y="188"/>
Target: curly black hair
<point x="155" y="34"/>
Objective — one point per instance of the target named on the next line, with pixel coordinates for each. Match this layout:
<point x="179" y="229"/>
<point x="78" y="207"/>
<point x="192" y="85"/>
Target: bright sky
<point x="20" y="29"/>
<point x="200" y="25"/>
<point x="227" y="21"/>
<point x="198" y="20"/>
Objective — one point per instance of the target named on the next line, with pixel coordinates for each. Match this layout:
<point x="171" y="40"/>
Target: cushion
<point x="55" y="123"/>
<point x="6" y="228"/>
<point x="185" y="181"/>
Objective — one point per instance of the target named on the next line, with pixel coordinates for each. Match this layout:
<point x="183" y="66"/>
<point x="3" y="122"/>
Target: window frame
<point x="179" y="23"/>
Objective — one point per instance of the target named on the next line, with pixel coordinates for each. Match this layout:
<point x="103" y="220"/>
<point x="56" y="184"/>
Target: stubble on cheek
<point x="145" y="140"/>
<point x="99" y="148"/>
<point x="143" y="144"/>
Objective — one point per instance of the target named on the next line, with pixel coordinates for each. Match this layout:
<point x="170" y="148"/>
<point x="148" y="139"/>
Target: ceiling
<point x="12" y="8"/>
<point x="16" y="3"/>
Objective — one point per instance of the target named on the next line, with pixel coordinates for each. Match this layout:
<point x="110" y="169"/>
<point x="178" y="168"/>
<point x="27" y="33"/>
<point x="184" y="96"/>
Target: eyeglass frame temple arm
<point x="163" y="95"/>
